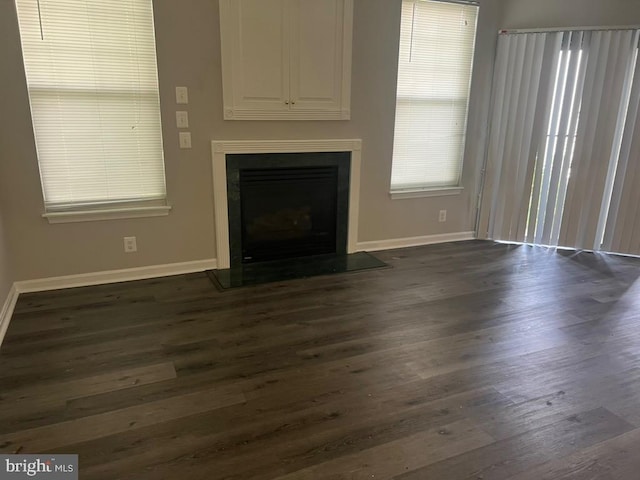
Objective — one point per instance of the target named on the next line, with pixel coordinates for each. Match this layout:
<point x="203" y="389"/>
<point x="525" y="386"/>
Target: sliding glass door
<point x="562" y="152"/>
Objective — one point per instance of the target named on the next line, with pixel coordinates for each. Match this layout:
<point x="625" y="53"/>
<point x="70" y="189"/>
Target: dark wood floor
<point x="463" y="361"/>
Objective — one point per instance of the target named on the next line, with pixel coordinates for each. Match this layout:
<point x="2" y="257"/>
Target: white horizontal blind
<point x="93" y="84"/>
<point x="434" y="75"/>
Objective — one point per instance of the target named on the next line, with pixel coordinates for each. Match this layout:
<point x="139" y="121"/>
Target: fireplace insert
<point x="287" y="205"/>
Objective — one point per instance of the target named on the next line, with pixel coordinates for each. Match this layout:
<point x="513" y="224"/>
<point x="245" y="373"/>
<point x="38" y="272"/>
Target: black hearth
<point x="287" y="205"/>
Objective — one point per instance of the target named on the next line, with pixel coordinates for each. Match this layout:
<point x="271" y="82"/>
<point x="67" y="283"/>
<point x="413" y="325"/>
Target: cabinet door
<point x="320" y="56"/>
<point x="255" y="36"/>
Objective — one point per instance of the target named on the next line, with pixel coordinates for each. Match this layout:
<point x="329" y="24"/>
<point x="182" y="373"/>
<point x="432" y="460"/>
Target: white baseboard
<point x="7" y="310"/>
<point x="113" y="276"/>
<point x="154" y="271"/>
<point x="379" y="245"/>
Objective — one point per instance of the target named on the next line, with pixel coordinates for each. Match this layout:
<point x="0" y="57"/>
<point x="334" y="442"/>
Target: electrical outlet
<point x="130" y="245"/>
<point x="443" y="216"/>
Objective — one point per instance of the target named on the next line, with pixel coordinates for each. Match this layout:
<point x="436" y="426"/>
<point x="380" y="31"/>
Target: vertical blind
<point x="434" y="75"/>
<point x="622" y="228"/>
<point x="523" y="94"/>
<point x="563" y="149"/>
<point x="610" y="58"/>
<point x="93" y="86"/>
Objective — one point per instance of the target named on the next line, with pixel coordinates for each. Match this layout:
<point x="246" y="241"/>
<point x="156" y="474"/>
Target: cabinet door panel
<point x="317" y="54"/>
<point x="286" y="59"/>
<point x="259" y="32"/>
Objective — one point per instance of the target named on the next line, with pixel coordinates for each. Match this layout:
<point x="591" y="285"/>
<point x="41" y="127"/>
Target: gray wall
<point x="569" y="13"/>
<point x="6" y="261"/>
<point x="188" y="44"/>
<point x="6" y="271"/>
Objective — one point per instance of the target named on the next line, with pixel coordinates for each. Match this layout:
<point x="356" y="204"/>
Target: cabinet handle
<point x="293" y="103"/>
<point x="286" y="103"/>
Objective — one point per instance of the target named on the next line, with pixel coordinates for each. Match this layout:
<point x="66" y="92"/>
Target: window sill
<point x="107" y="214"/>
<point x="426" y="192"/>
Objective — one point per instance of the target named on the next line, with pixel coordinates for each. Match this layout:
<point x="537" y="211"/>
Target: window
<point x="434" y="75"/>
<point x="93" y="86"/>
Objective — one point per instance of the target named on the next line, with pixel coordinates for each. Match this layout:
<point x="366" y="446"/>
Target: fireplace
<point x="290" y="158"/>
<point x="286" y="209"/>
<point x="287" y="205"/>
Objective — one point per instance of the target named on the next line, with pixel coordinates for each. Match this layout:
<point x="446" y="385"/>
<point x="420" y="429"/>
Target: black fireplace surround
<point x="287" y="205"/>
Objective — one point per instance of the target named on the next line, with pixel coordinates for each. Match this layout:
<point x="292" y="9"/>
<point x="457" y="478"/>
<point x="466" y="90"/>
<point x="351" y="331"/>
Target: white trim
<point x="425" y="192"/>
<point x="221" y="148"/>
<point x="240" y="114"/>
<point x="286" y="146"/>
<point x="7" y="311"/>
<point x="113" y="276"/>
<point x="378" y="245"/>
<point x="516" y="31"/>
<point x="106" y="214"/>
<point x="472" y="3"/>
<point x="347" y="59"/>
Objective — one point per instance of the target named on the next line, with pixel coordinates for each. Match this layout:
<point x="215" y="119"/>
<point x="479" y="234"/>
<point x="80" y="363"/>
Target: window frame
<point x="118" y="206"/>
<point x="455" y="188"/>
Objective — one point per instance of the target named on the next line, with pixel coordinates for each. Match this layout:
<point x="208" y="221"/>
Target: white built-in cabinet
<point x="286" y="59"/>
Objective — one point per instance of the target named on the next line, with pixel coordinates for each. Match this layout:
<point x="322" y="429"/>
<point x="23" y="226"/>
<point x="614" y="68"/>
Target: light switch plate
<point x="182" y="119"/>
<point x="185" y="139"/>
<point x="182" y="95"/>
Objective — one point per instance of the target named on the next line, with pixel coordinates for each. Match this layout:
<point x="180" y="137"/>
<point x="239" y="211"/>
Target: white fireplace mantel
<point x="221" y="148"/>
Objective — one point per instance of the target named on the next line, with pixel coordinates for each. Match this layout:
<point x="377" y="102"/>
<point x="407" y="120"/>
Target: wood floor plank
<point x="613" y="459"/>
<point x="87" y="428"/>
<point x="293" y="441"/>
<point x="568" y="399"/>
<point x="58" y="394"/>
<point x="505" y="458"/>
<point x="393" y="458"/>
<point x="464" y="360"/>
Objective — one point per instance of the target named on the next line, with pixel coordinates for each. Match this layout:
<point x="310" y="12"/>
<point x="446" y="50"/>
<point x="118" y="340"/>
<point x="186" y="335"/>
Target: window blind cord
<point x="40" y="20"/>
<point x="413" y="23"/>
